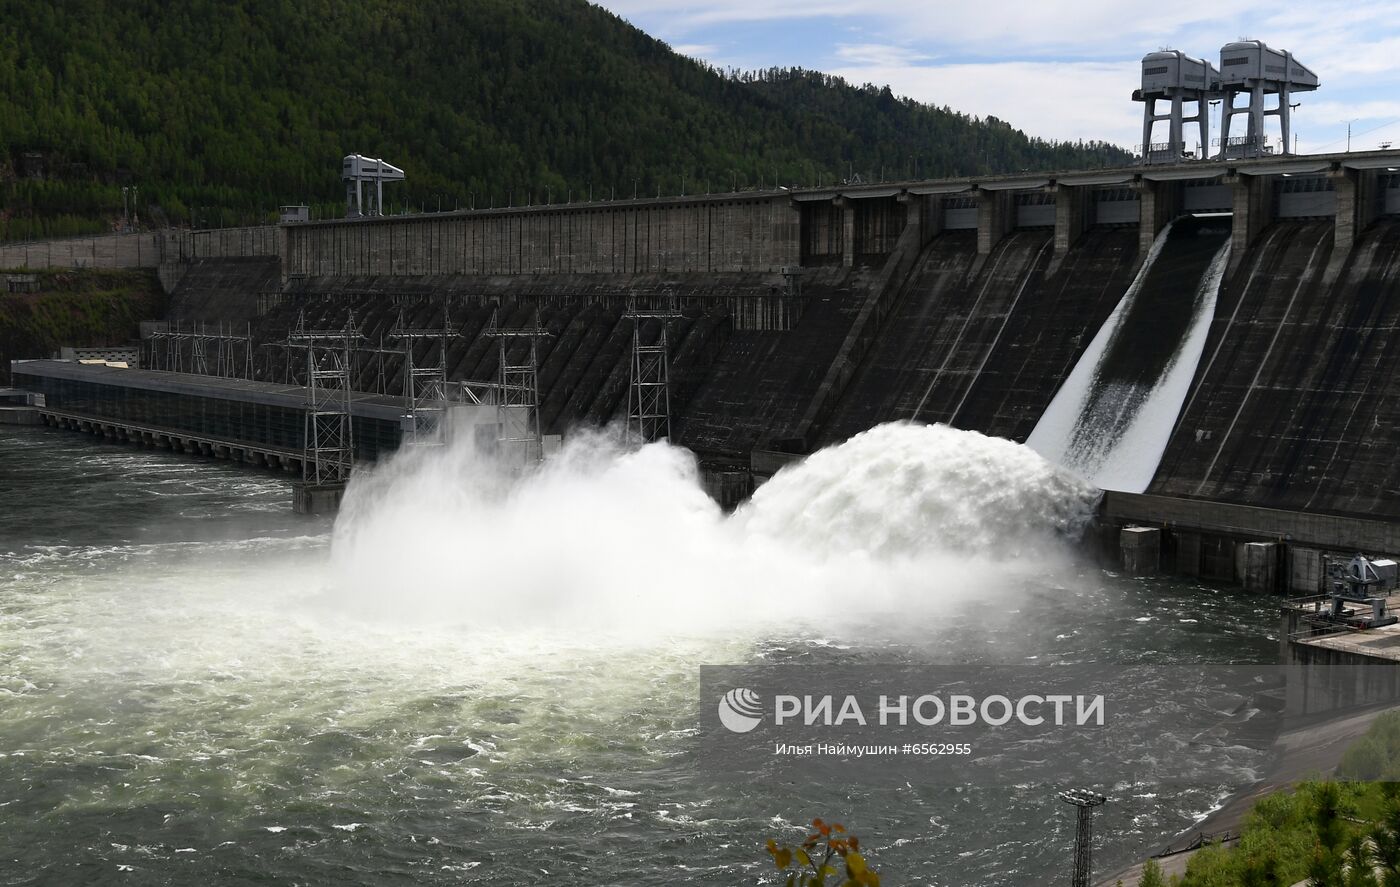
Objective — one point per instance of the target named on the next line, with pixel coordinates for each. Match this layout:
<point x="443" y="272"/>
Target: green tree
<point x="1152" y="875"/>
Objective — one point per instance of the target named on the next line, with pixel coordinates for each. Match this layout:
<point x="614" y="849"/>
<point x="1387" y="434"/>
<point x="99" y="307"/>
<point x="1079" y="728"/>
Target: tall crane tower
<point x="359" y="171"/>
<point x="1187" y="85"/>
<point x="1251" y="68"/>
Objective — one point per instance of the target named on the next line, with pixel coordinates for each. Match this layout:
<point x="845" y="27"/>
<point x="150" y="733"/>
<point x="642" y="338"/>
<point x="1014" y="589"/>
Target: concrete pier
<point x="925" y="212"/>
<point x="1357" y="205"/>
<point x="1071" y="216"/>
<point x="1253" y="198"/>
<point x="310" y="498"/>
<point x="1159" y="203"/>
<point x="20" y="415"/>
<point x="848" y="230"/>
<point x="995" y="217"/>
<point x="1303" y="570"/>
<point x="1261" y="566"/>
<point x="1253" y="524"/>
<point x="1269" y="551"/>
<point x="1142" y="550"/>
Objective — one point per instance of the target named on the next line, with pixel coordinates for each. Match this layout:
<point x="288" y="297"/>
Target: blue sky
<point x="1056" y="70"/>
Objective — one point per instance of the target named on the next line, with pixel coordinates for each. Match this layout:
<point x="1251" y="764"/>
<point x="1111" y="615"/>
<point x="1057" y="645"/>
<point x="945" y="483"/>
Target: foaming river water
<point x="467" y="681"/>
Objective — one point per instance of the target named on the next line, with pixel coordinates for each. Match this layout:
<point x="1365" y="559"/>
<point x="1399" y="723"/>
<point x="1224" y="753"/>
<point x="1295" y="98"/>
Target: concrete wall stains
<point x="626" y="237"/>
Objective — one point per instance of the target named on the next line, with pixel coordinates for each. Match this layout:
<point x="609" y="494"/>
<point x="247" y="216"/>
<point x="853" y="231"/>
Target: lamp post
<point x="1084" y="802"/>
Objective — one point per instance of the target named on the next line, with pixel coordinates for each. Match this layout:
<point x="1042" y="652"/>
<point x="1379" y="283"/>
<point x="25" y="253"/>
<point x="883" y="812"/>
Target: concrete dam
<point x="800" y="318"/>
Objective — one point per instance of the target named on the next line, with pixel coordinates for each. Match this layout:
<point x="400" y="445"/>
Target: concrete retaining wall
<point x="20" y="415"/>
<point x="144" y="249"/>
<point x="1243" y="521"/>
<point x="758" y="233"/>
<point x="141" y="249"/>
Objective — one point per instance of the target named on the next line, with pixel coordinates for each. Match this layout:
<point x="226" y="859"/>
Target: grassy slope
<point x="1289" y="832"/>
<point x="76" y="308"/>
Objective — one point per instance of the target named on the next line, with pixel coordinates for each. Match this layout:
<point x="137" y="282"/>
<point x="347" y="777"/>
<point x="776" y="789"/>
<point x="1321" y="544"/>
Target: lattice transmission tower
<point x="159" y="341"/>
<point x="199" y="361"/>
<point x="649" y="386"/>
<point x="425" y="390"/>
<point x="518" y="391"/>
<point x="233" y="352"/>
<point x="328" y="449"/>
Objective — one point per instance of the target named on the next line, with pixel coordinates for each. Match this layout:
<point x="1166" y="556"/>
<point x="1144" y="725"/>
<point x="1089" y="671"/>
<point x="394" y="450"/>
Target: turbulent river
<point x="472" y="679"/>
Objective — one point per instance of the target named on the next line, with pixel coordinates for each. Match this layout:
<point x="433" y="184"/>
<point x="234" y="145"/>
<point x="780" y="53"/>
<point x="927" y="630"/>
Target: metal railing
<point x="1197" y="841"/>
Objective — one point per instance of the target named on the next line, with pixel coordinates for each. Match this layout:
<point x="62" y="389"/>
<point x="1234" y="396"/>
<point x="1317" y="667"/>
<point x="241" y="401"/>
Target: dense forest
<point x="213" y="112"/>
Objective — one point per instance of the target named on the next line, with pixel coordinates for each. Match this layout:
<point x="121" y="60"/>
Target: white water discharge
<point x="185" y="700"/>
<point x="624" y="543"/>
<point x="1113" y="434"/>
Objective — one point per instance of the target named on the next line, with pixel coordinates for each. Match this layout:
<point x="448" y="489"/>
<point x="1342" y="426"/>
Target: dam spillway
<point x="1111" y="419"/>
<point x="805" y="317"/>
<point x="1294" y="406"/>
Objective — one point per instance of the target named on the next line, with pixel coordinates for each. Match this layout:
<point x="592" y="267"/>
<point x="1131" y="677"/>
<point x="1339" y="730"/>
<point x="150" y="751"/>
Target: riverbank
<point x="1307" y="752"/>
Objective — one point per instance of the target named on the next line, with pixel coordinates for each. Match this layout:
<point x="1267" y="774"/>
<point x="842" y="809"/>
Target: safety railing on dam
<point x="758" y="230"/>
<point x="848" y="224"/>
<point x="1309" y="610"/>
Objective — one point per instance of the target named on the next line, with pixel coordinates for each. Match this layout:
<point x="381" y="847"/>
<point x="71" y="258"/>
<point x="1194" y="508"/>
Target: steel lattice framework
<point x="328" y="450"/>
<point x="233" y="353"/>
<point x="162" y="348"/>
<point x="233" y="350"/>
<point x="425" y="388"/>
<point x="199" y="361"/>
<point x="518" y="390"/>
<point x="649" y="387"/>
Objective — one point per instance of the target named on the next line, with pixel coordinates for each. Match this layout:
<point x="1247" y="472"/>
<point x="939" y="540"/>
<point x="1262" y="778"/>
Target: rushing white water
<point x="182" y="700"/>
<point x="1111" y="433"/>
<point x="903" y="490"/>
<point x="625" y="543"/>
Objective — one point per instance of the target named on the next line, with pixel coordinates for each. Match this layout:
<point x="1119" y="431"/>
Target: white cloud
<point x="684" y="15"/>
<point x="1057" y="69"/>
<point x="1369" y="112"/>
<point x="878" y="55"/>
<point x="992" y="28"/>
<point x="1361" y="33"/>
<point x="697" y="50"/>
<point x="1054" y="100"/>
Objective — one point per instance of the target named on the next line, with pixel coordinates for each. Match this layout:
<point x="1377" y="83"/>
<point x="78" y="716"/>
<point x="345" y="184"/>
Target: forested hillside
<point x="216" y="111"/>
